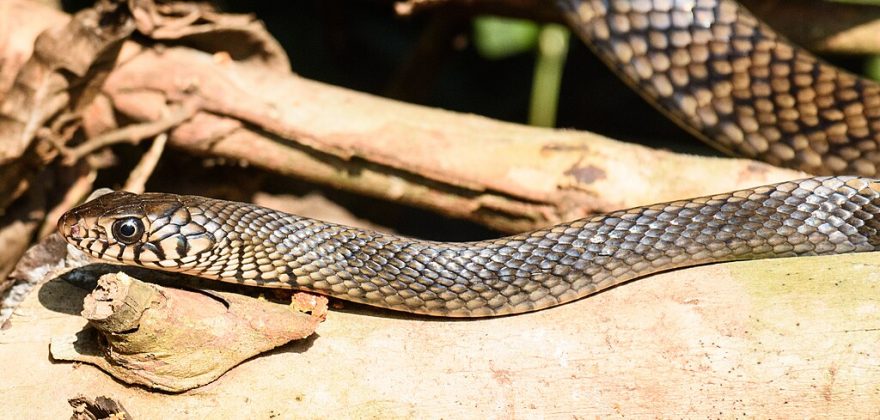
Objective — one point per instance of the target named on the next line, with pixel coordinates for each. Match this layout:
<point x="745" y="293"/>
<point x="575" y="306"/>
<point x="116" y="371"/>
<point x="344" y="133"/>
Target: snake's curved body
<point x="243" y="243"/>
<point x="715" y="69"/>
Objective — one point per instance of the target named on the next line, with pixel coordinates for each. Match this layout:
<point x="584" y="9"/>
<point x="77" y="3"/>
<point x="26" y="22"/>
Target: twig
<point x="138" y="177"/>
<point x="132" y="134"/>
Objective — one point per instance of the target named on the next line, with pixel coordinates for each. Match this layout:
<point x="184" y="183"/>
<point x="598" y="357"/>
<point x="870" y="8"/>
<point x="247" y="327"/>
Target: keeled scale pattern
<point x="718" y="71"/>
<point x="538" y="269"/>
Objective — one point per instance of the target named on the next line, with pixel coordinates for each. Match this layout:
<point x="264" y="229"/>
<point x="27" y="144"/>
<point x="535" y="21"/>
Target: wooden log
<point x="508" y="176"/>
<point x="782" y="338"/>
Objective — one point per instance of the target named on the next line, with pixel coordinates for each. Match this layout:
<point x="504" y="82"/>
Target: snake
<point x="733" y="82"/>
<point x="252" y="245"/>
<point x="709" y="65"/>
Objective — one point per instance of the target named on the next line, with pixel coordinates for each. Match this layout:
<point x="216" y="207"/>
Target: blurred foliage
<point x="498" y="37"/>
<point x="872" y="67"/>
<point x="552" y="51"/>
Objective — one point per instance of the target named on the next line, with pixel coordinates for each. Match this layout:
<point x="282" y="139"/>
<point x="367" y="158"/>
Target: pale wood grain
<point x="783" y="338"/>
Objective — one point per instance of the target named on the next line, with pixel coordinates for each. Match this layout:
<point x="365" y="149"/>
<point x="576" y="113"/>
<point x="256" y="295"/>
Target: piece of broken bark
<point x="175" y="340"/>
<point x="98" y="409"/>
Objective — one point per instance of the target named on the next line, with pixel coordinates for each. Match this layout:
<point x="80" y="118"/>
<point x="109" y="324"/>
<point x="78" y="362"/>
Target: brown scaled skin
<point x="243" y="243"/>
<point x="717" y="71"/>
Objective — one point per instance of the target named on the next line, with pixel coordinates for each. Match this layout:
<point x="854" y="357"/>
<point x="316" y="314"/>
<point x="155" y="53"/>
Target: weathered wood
<point x="175" y="340"/>
<point x="783" y="338"/>
<point x="508" y="176"/>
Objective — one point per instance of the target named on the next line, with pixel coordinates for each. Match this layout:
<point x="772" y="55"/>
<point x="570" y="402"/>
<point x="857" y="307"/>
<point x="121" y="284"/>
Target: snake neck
<point x="542" y="268"/>
<point x="717" y="71"/>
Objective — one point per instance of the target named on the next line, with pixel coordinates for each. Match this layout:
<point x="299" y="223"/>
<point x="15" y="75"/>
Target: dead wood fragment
<point x="41" y="260"/>
<point x="101" y="408"/>
<point x="44" y="261"/>
<point x="175" y="340"/>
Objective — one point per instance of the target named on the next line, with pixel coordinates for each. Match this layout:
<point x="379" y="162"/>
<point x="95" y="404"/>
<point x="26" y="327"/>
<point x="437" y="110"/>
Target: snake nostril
<point x="70" y="227"/>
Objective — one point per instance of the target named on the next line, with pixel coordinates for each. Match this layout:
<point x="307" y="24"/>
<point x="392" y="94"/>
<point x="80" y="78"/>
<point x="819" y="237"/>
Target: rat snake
<point x="716" y="70"/>
<point x="708" y="64"/>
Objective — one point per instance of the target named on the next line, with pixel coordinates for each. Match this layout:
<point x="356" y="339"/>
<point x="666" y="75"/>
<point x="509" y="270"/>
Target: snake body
<point x="711" y="66"/>
<point x="244" y="243"/>
<point x="708" y="64"/>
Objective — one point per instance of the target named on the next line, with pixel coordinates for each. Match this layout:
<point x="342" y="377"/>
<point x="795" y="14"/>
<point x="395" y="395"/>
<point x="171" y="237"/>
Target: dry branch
<point x="241" y="107"/>
<point x="508" y="176"/>
<point x="138" y="177"/>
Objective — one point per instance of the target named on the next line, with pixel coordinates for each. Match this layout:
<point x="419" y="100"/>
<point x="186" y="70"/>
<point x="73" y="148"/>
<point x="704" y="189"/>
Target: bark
<point x="507" y="176"/>
<point x="175" y="340"/>
<point x="101" y="408"/>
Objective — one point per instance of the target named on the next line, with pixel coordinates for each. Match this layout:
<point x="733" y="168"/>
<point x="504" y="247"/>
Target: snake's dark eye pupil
<point x="128" y="230"/>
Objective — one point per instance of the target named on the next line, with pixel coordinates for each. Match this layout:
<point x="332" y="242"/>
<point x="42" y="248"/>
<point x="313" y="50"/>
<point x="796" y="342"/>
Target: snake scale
<point x="239" y="242"/>
<point x="708" y="64"/>
<point x="716" y="70"/>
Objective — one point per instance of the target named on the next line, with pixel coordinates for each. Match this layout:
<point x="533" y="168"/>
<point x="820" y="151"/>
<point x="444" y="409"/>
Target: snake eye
<point x="128" y="230"/>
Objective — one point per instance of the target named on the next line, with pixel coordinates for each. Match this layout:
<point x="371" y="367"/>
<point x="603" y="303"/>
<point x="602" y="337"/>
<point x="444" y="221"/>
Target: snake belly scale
<point x="244" y="243"/>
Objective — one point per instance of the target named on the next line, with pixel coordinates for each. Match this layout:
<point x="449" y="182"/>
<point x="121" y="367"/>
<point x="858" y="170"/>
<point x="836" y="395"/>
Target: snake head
<point x="132" y="228"/>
